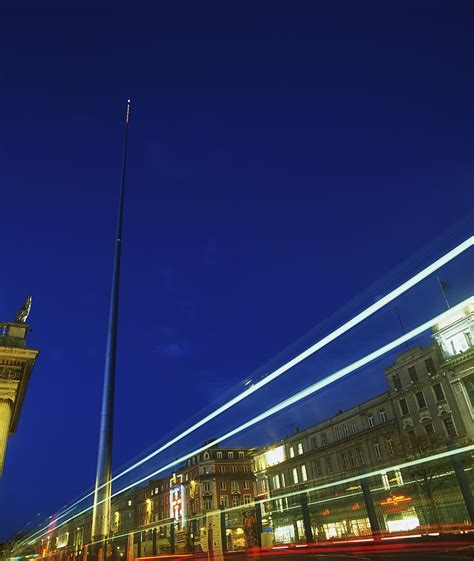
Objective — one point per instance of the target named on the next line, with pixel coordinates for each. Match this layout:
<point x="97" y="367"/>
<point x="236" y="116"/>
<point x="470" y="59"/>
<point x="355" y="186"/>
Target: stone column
<point x="462" y="481"/>
<point x="5" y="418"/>
<point x="308" y="530"/>
<point x="369" y="505"/>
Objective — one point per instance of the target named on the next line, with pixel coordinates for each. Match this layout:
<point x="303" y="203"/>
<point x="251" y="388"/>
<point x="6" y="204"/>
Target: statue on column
<point x="23" y="314"/>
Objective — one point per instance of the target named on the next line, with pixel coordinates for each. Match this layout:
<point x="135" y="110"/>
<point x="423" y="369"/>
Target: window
<point x="246" y="484"/>
<point x="224" y="501"/>
<point x="324" y="439"/>
<point x="346" y="430"/>
<point x="247" y="499"/>
<point x="439" y="393"/>
<point x="276" y="482"/>
<point x="292" y="452"/>
<point x="351" y="458"/>
<point x="460" y="343"/>
<point x="360" y="456"/>
<point x="430" y="367"/>
<point x="156" y="490"/>
<point x="403" y="406"/>
<point x="377" y="451"/>
<point x="207" y="503"/>
<point x="449" y="426"/>
<point x="382" y="415"/>
<point x="343" y="460"/>
<point x="338" y="433"/>
<point x="412" y="373"/>
<point x="245" y="468"/>
<point x="234" y="485"/>
<point x="282" y="477"/>
<point x="230" y="455"/>
<point x="222" y="469"/>
<point x="295" y="475"/>
<point x="390" y="446"/>
<point x="398" y="477"/>
<point x="396" y="381"/>
<point x="304" y="475"/>
<point x="219" y="455"/>
<point x="420" y="399"/>
<point x="371" y="421"/>
<point x="317" y="468"/>
<point x="353" y="426"/>
<point x="206" y="456"/>
<point x="129" y="503"/>
<point x="429" y="430"/>
<point x="233" y="469"/>
<point x="236" y="501"/>
<point x="314" y="442"/>
<point x="241" y="455"/>
<point x="300" y="448"/>
<point x="469" y="387"/>
<point x="223" y="485"/>
<point x="207" y="485"/>
<point x="329" y="466"/>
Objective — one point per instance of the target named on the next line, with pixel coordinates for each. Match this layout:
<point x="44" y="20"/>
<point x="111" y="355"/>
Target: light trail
<point x="358" y="477"/>
<point x="380" y="471"/>
<point x="404" y="287"/>
<point x="313" y="388"/>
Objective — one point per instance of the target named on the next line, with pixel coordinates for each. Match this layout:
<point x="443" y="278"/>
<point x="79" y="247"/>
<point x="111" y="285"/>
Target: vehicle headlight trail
<point x="288" y="402"/>
<point x="382" y="302"/>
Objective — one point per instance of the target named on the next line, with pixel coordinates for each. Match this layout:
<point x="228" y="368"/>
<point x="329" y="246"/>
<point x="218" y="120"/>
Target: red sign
<point x="395" y="500"/>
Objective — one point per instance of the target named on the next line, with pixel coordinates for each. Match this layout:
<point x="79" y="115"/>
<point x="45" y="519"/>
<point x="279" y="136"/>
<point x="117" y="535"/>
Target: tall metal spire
<point x="103" y="485"/>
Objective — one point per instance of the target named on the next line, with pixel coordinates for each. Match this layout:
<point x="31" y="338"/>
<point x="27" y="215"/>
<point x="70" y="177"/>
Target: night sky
<point x="281" y="159"/>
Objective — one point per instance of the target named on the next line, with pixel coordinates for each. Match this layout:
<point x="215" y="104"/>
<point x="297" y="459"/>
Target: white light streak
<point x="313" y="388"/>
<point x="410" y="283"/>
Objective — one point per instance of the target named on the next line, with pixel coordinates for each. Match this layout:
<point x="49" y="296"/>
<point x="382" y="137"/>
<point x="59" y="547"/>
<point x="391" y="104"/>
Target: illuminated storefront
<point x="177" y="500"/>
<point x="399" y="513"/>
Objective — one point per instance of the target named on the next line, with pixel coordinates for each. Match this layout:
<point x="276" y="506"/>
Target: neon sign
<point x="395" y="500"/>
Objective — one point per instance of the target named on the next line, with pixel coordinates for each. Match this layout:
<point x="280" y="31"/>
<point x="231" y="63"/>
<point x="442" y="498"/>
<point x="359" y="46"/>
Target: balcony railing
<point x="13" y="334"/>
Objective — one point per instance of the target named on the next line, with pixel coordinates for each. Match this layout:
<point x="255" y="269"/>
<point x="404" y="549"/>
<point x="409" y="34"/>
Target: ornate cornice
<point x="16" y="365"/>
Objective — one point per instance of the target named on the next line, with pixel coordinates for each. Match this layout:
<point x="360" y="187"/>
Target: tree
<point x="426" y="476"/>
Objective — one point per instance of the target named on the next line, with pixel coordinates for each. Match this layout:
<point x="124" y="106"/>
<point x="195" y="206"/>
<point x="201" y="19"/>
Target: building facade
<point x="173" y="514"/>
<point x="428" y="407"/>
<point x="362" y="471"/>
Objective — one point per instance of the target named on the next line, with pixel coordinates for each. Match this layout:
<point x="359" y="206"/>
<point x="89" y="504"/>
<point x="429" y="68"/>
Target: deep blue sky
<point x="281" y="159"/>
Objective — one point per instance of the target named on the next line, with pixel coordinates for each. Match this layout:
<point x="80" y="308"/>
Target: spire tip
<point x="127" y="112"/>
